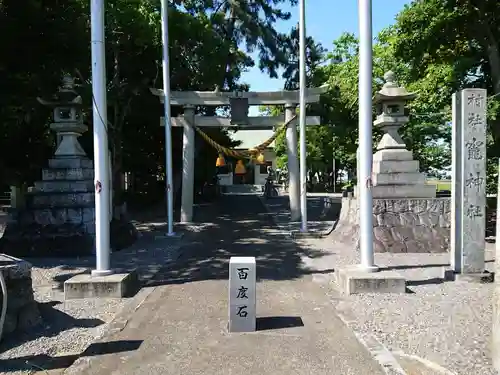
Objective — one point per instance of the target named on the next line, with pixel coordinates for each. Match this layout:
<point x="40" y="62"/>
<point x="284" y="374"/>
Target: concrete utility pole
<point x="302" y="115"/>
<point x="101" y="152"/>
<point x="495" y="349"/>
<point x="168" y="124"/>
<point x="365" y="135"/>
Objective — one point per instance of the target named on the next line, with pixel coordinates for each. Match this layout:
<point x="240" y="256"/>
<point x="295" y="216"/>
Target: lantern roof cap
<point x="391" y="91"/>
<point x="65" y="96"/>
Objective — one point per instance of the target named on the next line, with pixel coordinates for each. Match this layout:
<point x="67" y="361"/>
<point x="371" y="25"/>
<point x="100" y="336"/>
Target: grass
<point x="440" y="184"/>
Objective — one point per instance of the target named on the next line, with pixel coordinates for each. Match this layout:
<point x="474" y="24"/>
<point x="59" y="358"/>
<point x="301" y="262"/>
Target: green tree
<point x="427" y="126"/>
<point x="242" y="24"/>
<point x="461" y="33"/>
<point x="463" y="36"/>
<point x="315" y="53"/>
<point x="40" y="41"/>
<point x="209" y="46"/>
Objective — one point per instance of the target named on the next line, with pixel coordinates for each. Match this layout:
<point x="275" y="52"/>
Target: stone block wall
<point x="59" y="216"/>
<point x="400" y="225"/>
<point x="22" y="309"/>
<point x="81" y="217"/>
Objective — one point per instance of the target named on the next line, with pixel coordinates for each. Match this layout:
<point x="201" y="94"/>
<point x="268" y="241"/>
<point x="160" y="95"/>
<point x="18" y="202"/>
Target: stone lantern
<point x="68" y="121"/>
<point x="395" y="173"/>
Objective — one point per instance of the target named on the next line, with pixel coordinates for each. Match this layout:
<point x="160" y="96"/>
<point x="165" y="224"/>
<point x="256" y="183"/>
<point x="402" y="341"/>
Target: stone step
<point x="243" y="189"/>
<point x="72" y="174"/>
<point x="60" y="200"/>
<point x="79" y="186"/>
<point x="404" y="191"/>
<point x="71" y="163"/>
<point x="58" y="216"/>
<point x="49" y="241"/>
<point x="394" y="155"/>
<point x="403" y="178"/>
<point x="391" y="166"/>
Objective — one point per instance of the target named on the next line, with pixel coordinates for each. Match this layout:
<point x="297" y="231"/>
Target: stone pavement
<point x="181" y="328"/>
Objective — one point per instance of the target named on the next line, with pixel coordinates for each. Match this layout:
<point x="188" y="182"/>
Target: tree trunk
<point x="230" y="36"/>
<point x="493" y="52"/>
<point x="211" y="111"/>
<point x="117" y="136"/>
<point x="494" y="61"/>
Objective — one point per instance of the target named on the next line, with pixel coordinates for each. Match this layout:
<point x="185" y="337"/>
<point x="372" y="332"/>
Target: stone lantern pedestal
<point x="395" y="173"/>
<point x="59" y="215"/>
<point x="407" y="216"/>
<point x="68" y="132"/>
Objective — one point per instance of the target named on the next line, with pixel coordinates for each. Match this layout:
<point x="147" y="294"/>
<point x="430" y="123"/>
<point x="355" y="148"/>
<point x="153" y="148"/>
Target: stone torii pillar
<point x="188" y="145"/>
<point x="293" y="163"/>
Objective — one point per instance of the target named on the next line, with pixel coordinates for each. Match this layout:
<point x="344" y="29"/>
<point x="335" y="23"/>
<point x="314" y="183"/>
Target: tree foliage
<point x="463" y="37"/>
<point x="435" y="47"/>
<point x="426" y="134"/>
<point x="210" y="45"/>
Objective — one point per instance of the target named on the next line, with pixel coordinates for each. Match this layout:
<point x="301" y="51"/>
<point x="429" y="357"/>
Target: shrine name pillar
<point x="293" y="163"/>
<point x="188" y="144"/>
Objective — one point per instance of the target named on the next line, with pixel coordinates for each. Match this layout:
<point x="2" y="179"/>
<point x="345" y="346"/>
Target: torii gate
<point x="239" y="101"/>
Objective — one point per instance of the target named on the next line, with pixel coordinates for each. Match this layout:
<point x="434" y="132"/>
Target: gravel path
<point x="70" y="326"/>
<point x="448" y="324"/>
<point x="445" y="323"/>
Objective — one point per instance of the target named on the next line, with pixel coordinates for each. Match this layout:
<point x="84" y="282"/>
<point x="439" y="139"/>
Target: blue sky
<point x="326" y="20"/>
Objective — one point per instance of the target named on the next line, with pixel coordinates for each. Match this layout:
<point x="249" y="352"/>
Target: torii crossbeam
<point x="191" y="99"/>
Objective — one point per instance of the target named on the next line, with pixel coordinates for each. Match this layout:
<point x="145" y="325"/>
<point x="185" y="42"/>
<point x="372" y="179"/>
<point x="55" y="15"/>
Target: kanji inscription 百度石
<point x="242" y="294"/>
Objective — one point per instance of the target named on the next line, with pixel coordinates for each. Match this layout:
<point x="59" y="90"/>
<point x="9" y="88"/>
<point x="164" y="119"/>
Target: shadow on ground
<point x="44" y="362"/>
<point x="236" y="226"/>
<point x="59" y="322"/>
<point x="147" y="255"/>
<point x="232" y="226"/>
<point x="265" y="323"/>
<point x="323" y="212"/>
<point x="319" y="208"/>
